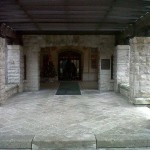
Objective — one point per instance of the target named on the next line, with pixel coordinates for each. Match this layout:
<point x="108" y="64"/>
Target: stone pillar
<point x="121" y="65"/>
<point x="140" y="70"/>
<point x="105" y="82"/>
<point x="15" y="70"/>
<point x="2" y="69"/>
<point x="33" y="69"/>
<point x="99" y="68"/>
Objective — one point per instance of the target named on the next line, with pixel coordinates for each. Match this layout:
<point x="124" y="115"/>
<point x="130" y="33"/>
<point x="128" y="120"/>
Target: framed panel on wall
<point x="105" y="64"/>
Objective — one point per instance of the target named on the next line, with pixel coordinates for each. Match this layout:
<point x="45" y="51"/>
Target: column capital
<point x="140" y="40"/>
<point x="122" y="47"/>
<point x="14" y="47"/>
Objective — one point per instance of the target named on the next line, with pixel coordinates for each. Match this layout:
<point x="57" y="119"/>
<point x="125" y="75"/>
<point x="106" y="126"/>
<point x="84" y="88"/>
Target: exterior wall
<point x="121" y="65"/>
<point x="11" y="89"/>
<point x="105" y="81"/>
<point x="140" y="70"/>
<point x="33" y="44"/>
<point x="2" y="69"/>
<point x="15" y="65"/>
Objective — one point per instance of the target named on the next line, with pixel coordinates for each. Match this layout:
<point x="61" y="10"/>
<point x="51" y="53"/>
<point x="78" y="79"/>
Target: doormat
<point x="68" y="88"/>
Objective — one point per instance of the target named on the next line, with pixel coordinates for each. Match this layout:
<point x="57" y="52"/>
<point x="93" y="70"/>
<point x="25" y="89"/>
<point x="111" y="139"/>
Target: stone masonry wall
<point x="105" y="75"/>
<point x="140" y="70"/>
<point x="33" y="44"/>
<point x="2" y="69"/>
<point x="33" y="74"/>
<point x="121" y="65"/>
<point x="15" y="65"/>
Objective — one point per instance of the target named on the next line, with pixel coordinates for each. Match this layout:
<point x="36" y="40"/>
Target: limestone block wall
<point x="33" y="69"/>
<point x="121" y="65"/>
<point x="105" y="81"/>
<point x="15" y="70"/>
<point x="34" y="43"/>
<point x="140" y="70"/>
<point x="2" y="69"/>
<point x="11" y="89"/>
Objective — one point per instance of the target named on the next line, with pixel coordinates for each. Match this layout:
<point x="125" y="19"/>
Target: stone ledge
<point x="13" y="47"/>
<point x="124" y="86"/>
<point x="16" y="141"/>
<point x="123" y="141"/>
<point x="144" y="148"/>
<point x="83" y="142"/>
<point x="124" y="89"/>
<point x="15" y="149"/>
<point x="9" y="87"/>
<point x="123" y="47"/>
<point x="140" y="101"/>
<point x="77" y="142"/>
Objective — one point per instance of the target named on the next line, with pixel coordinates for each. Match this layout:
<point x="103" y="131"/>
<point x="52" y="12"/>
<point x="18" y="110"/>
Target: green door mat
<point x="68" y="88"/>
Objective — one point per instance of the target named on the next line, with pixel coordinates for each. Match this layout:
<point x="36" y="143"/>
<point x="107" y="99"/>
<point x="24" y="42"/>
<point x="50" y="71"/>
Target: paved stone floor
<point x="45" y="113"/>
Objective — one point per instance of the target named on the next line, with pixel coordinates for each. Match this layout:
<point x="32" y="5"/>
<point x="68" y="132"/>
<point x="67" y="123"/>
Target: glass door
<point x="69" y="66"/>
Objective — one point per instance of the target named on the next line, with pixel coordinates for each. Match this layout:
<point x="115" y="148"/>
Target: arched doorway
<point x="69" y="65"/>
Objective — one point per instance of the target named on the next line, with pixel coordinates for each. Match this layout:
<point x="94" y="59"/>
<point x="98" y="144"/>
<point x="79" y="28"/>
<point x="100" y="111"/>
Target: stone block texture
<point x="11" y="89"/>
<point x="33" y="71"/>
<point x="16" y="141"/>
<point x="15" y="70"/>
<point x="140" y="70"/>
<point x="87" y="141"/>
<point x="124" y="90"/>
<point x="122" y="141"/>
<point x="121" y="65"/>
<point x="2" y="69"/>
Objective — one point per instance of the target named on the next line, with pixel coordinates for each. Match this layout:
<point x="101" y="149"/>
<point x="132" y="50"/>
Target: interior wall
<point x="88" y="72"/>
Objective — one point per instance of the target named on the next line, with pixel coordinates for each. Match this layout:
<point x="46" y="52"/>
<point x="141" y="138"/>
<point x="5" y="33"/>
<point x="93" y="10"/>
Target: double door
<point x="69" y="66"/>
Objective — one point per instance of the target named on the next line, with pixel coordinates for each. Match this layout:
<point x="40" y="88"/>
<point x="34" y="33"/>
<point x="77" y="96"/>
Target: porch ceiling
<point x="39" y="16"/>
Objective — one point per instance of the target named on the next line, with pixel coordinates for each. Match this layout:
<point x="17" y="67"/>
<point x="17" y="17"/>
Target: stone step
<point x="123" y="141"/>
<point x="78" y="142"/>
<point x="16" y="141"/>
<point x="87" y="141"/>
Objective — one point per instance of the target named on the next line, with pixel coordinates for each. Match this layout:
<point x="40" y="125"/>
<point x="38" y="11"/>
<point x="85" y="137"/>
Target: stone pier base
<point x="2" y="70"/>
<point x="140" y="70"/>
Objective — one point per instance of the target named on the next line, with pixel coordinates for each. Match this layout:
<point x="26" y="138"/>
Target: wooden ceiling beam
<point x="6" y="31"/>
<point x="27" y="14"/>
<point x="107" y="13"/>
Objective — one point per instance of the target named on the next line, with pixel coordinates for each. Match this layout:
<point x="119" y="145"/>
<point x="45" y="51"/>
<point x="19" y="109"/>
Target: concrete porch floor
<point x="92" y="113"/>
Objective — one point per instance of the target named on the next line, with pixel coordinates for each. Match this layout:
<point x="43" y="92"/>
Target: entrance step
<point x="123" y="141"/>
<point x="78" y="142"/>
<point x="16" y="142"/>
<point x="87" y="142"/>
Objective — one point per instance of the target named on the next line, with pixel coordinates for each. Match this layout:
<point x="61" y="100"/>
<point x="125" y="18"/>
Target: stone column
<point x="33" y="69"/>
<point x="2" y="69"/>
<point x="15" y="70"/>
<point x="99" y="68"/>
<point x="140" y="70"/>
<point x="105" y="82"/>
<point x="121" y="65"/>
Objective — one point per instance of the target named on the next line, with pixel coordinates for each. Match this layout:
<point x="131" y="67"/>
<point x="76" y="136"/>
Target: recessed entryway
<point x="69" y="66"/>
